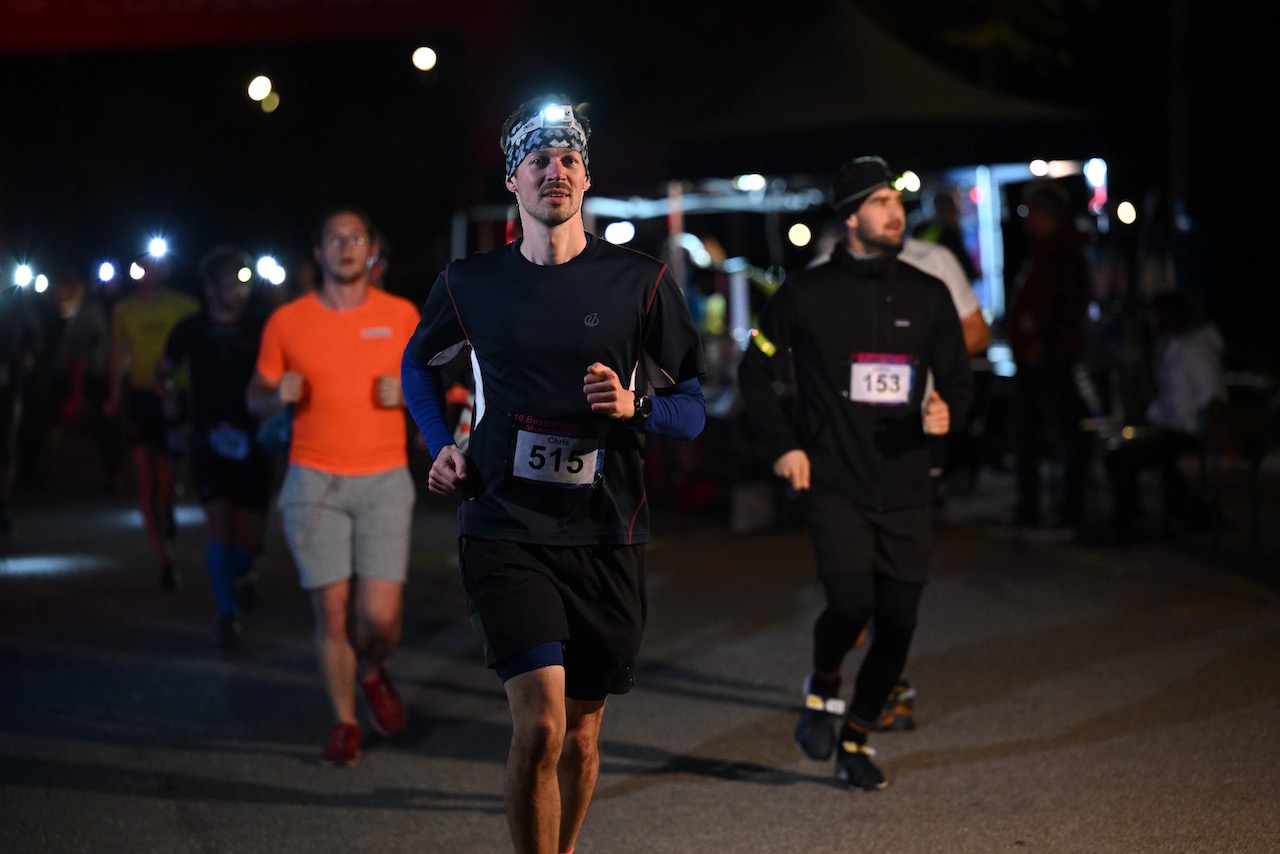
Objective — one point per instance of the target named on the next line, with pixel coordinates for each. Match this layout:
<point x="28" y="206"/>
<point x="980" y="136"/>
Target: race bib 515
<point x="560" y="454"/>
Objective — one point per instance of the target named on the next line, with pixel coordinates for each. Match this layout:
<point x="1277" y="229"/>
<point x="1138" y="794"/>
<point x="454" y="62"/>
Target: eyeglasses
<point x="339" y="241"/>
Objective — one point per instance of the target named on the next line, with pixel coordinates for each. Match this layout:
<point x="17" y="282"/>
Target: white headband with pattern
<point x="555" y="126"/>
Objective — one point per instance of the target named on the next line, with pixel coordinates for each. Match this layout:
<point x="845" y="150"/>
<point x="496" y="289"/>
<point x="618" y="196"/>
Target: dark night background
<point x="136" y="120"/>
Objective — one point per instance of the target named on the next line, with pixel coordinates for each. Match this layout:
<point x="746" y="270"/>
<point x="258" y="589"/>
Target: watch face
<point x="643" y="407"/>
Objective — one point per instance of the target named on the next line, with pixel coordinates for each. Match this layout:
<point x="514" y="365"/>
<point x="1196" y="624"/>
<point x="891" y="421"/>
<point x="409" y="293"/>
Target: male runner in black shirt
<point x="578" y="348"/>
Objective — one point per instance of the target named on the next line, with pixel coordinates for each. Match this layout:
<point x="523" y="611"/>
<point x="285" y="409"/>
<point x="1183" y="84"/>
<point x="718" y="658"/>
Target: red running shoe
<point x="344" y="745"/>
<point x="386" y="712"/>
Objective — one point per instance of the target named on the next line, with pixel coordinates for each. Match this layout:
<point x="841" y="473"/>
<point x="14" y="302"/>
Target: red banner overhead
<point x="89" y="25"/>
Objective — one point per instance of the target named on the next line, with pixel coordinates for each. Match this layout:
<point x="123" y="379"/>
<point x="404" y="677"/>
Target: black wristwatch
<point x="644" y="408"/>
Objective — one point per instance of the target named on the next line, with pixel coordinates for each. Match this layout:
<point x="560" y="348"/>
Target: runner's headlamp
<point x="550" y="116"/>
<point x="554" y="126"/>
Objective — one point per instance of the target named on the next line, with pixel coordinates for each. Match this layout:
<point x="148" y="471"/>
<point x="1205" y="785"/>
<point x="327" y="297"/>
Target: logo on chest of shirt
<point x="591" y="319"/>
<point x="375" y="332"/>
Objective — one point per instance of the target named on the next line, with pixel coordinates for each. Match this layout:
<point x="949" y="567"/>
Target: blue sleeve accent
<point x="424" y="398"/>
<point x="679" y="412"/>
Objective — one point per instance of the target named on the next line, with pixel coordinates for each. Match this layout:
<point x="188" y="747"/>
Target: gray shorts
<point x="338" y="526"/>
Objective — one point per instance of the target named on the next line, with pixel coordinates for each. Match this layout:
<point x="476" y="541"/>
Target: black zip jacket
<point x="887" y="315"/>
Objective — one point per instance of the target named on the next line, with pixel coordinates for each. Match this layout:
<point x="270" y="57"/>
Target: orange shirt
<point x="339" y="427"/>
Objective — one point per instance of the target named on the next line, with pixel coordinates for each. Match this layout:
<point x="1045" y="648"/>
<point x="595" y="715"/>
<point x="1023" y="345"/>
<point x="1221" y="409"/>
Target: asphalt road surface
<point x="1072" y="698"/>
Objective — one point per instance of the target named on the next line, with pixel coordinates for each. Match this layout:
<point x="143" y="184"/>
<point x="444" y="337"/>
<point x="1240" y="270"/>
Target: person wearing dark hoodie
<point x="861" y="333"/>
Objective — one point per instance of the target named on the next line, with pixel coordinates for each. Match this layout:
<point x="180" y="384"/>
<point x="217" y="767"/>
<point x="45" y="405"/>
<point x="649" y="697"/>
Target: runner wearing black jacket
<point x="861" y="331"/>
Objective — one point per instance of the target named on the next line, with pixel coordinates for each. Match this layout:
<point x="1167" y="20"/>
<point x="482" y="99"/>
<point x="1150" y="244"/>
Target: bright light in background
<point x="106" y="271"/>
<point x="271" y="103"/>
<point x="270" y="269"/>
<point x="157" y="247"/>
<point x="698" y="253"/>
<point x="136" y="272"/>
<point x="620" y="233"/>
<point x="1062" y="168"/>
<point x="799" y="234"/>
<point x="749" y="183"/>
<point x="23" y="275"/>
<point x="42" y="283"/>
<point x="1126" y="213"/>
<point x="908" y="182"/>
<point x="259" y="87"/>
<point x="244" y="274"/>
<point x="1095" y="172"/>
<point x="1001" y="358"/>
<point x="424" y="59"/>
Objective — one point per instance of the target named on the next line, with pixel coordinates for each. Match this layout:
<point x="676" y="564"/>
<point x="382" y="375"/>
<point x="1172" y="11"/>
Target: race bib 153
<point x="881" y="378"/>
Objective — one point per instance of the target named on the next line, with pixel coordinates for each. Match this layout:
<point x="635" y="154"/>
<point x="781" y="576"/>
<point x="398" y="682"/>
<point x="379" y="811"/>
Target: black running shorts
<point x="590" y="598"/>
<point x="245" y="482"/>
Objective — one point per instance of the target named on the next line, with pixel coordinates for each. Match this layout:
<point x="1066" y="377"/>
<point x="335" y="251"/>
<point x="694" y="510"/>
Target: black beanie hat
<point x="858" y="179"/>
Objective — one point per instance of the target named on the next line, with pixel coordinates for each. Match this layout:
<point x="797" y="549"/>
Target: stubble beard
<point x="882" y="243"/>
<point x="552" y="216"/>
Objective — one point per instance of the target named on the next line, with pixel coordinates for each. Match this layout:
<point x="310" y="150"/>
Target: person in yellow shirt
<point x="140" y="326"/>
